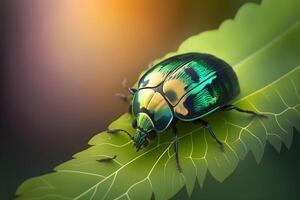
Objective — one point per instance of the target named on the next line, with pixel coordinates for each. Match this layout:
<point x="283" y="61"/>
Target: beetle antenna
<point x="120" y="130"/>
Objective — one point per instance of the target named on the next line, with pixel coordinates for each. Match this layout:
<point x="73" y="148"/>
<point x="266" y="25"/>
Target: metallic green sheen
<point x="217" y="90"/>
<point x="153" y="104"/>
<point x="187" y="76"/>
<point x="187" y="86"/>
<point x="157" y="74"/>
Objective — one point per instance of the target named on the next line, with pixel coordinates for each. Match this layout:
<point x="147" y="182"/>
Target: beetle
<point x="184" y="87"/>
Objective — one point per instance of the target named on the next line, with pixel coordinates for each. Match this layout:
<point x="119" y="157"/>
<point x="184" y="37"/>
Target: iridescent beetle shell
<point x="187" y="87"/>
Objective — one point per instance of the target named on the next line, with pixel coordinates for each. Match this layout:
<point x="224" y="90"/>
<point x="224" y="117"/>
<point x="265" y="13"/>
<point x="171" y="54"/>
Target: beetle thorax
<point x="150" y="103"/>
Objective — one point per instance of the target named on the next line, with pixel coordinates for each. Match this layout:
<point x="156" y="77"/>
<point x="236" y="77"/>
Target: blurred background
<point x="63" y="61"/>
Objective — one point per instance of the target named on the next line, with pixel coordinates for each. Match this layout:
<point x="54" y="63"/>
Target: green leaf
<point x="262" y="43"/>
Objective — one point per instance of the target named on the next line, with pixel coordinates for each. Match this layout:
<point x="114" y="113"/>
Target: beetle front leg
<point x="175" y="136"/>
<point x="114" y="131"/>
<point x="233" y="107"/>
<point x="207" y="127"/>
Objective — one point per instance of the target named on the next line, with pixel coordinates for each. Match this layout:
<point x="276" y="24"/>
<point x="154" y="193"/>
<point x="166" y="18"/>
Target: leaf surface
<point x="262" y="44"/>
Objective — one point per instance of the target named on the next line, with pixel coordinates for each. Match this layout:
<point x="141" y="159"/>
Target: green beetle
<point x="185" y="87"/>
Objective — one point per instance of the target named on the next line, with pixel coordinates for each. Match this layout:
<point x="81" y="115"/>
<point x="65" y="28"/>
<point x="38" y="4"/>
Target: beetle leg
<point x="114" y="131"/>
<point x="175" y="136"/>
<point x="207" y="127"/>
<point x="233" y="107"/>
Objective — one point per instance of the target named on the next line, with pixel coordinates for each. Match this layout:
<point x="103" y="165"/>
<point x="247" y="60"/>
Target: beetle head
<point x="143" y="126"/>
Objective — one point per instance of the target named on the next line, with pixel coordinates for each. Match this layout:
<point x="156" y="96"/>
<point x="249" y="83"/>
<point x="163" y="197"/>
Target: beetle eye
<point x="134" y="124"/>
